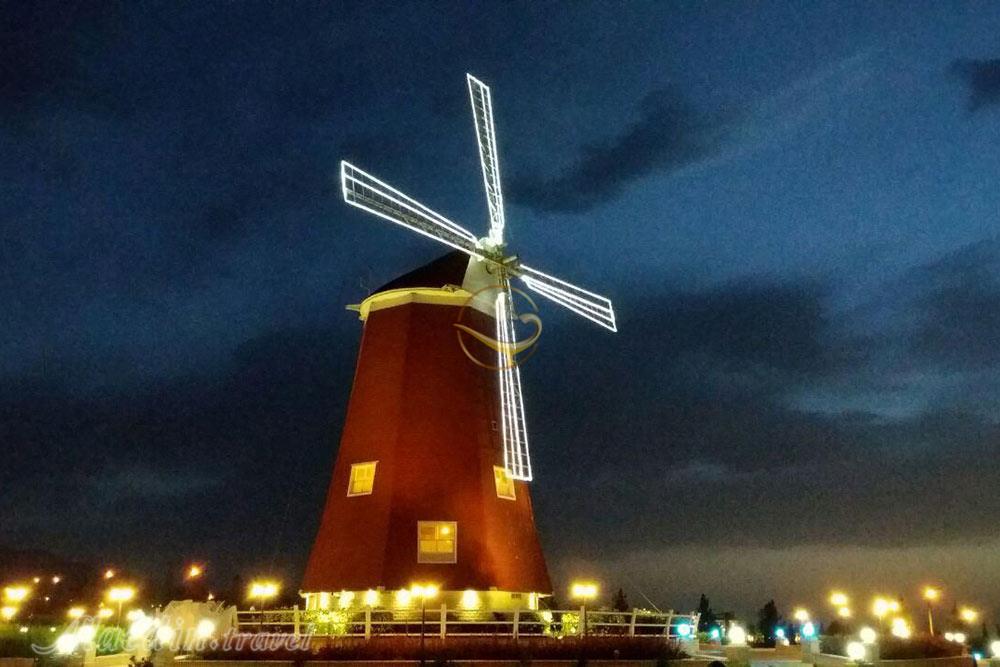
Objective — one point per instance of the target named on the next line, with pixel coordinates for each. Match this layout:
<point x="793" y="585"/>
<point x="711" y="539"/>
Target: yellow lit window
<point x="504" y="483"/>
<point x="362" y="479"/>
<point x="436" y="541"/>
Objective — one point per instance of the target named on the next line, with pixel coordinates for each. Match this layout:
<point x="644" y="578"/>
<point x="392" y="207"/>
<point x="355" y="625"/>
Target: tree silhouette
<point x="706" y="618"/>
<point x="768" y="619"/>
<point x="620" y="602"/>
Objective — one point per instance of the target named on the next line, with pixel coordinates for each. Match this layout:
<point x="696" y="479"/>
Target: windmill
<point x="366" y="192"/>
<point x="418" y="492"/>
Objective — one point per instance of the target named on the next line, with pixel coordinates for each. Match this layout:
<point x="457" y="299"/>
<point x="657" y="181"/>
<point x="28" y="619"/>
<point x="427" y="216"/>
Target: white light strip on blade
<point x="514" y="432"/>
<point x="596" y="308"/>
<point x="368" y="193"/>
<point x="486" y="139"/>
<point x="602" y="312"/>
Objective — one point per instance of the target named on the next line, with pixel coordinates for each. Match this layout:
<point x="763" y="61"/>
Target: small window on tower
<point x="436" y="541"/>
<point x="504" y="482"/>
<point x="362" y="479"/>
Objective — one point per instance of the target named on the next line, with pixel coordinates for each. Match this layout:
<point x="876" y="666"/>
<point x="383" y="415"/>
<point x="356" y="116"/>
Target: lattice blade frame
<point x="368" y="193"/>
<point x="514" y="431"/>
<point x="482" y="113"/>
<point x="594" y="307"/>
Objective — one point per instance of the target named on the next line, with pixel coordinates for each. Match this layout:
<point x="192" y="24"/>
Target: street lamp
<point x="195" y="571"/>
<point x="262" y="591"/>
<point x="931" y="595"/>
<point x="968" y="614"/>
<point x="15" y="594"/>
<point x="838" y="599"/>
<point x="424" y="592"/>
<point x="583" y="591"/>
<point x="881" y="607"/>
<point x="120" y="595"/>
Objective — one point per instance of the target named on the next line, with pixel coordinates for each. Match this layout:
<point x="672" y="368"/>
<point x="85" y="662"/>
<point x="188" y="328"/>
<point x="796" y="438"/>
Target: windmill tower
<point x="430" y="483"/>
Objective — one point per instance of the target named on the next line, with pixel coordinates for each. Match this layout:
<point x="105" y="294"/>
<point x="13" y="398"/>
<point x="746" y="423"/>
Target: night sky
<point x="795" y="209"/>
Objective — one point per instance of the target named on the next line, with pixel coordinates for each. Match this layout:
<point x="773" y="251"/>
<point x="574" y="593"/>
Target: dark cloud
<point x="982" y="79"/>
<point x="959" y="313"/>
<point x="669" y="134"/>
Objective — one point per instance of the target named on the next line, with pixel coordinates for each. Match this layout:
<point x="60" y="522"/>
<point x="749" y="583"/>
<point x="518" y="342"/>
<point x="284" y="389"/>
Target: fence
<point x="444" y="622"/>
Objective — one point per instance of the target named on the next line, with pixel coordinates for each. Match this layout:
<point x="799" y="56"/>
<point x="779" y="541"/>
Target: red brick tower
<point x="419" y="493"/>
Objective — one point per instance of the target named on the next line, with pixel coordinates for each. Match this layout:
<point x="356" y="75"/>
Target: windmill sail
<point x="366" y="192"/>
<point x="514" y="432"/>
<point x="486" y="137"/>
<point x="594" y="307"/>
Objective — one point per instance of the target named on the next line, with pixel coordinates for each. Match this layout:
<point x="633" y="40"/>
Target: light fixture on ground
<point x="205" y="629"/>
<point x="900" y="628"/>
<point x="995" y="649"/>
<point x="737" y="635"/>
<point x="86" y="633"/>
<point x="165" y="634"/>
<point x="856" y="651"/>
<point x="66" y="643"/>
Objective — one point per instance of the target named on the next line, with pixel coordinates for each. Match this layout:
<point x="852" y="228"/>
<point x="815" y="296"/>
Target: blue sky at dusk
<point x="794" y="207"/>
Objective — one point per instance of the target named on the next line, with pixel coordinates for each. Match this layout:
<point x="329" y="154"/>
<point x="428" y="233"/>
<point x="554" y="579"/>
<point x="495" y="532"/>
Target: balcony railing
<point x="444" y="622"/>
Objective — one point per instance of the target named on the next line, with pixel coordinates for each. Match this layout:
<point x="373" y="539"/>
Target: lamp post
<point x="262" y="591"/>
<point x="120" y="595"/>
<point x="424" y="592"/>
<point x="931" y="595"/>
<point x="583" y="591"/>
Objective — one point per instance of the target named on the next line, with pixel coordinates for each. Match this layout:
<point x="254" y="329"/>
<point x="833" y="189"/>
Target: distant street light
<point x="8" y="613"/>
<point x="845" y="612"/>
<point x="800" y="615"/>
<point x="195" y="571"/>
<point x="968" y="615"/>
<point x="76" y="612"/>
<point x="868" y="635"/>
<point x="838" y="599"/>
<point x="931" y="595"/>
<point x="16" y="594"/>
<point x="109" y="574"/>
<point x="120" y="595"/>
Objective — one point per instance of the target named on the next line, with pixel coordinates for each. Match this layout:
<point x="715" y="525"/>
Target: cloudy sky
<point x="795" y="209"/>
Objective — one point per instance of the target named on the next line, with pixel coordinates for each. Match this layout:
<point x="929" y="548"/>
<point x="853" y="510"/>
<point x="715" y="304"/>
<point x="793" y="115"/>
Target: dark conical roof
<point x="445" y="270"/>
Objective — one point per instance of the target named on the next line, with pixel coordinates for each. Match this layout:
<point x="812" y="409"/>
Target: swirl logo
<point x="506" y="354"/>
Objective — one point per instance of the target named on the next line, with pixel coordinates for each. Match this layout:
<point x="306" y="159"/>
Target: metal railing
<point x="444" y="622"/>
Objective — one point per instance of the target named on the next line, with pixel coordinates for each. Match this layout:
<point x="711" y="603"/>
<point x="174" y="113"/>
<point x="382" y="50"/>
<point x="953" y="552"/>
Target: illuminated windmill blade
<point x="482" y="111"/>
<point x="594" y="307"/>
<point x="370" y="194"/>
<point x="514" y="432"/>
